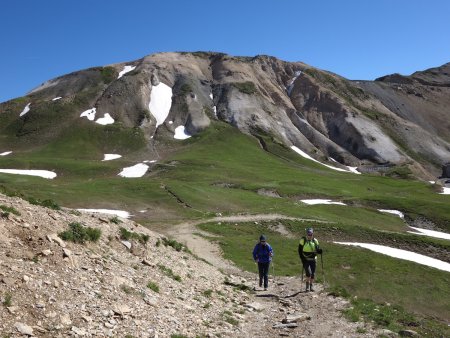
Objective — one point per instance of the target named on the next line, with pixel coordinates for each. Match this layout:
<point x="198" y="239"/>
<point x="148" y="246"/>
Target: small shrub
<point x="158" y="242"/>
<point x="115" y="220"/>
<point x="168" y="272"/>
<point x="153" y="286"/>
<point x="4" y="214"/>
<point x="174" y="244"/>
<point x="7" y="302"/>
<point x="48" y="203"/>
<point x="247" y="87"/>
<point x="207" y="293"/>
<point x="80" y="234"/>
<point x="108" y="74"/>
<point x="177" y="335"/>
<point x="126" y="289"/>
<point x="9" y="209"/>
<point x="401" y="172"/>
<point x="75" y="212"/>
<point x="185" y="89"/>
<point x="130" y="235"/>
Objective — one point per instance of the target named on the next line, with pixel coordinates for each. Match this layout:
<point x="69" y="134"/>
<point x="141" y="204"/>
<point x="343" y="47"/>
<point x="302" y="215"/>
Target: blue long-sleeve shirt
<point x="262" y="253"/>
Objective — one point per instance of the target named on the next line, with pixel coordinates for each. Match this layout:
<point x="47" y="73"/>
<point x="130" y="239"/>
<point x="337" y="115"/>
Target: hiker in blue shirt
<point x="262" y="254"/>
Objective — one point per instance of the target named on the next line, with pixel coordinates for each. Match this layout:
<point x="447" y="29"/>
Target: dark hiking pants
<point x="263" y="269"/>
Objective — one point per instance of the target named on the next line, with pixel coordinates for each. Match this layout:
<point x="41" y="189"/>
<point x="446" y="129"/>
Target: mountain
<point x="213" y="151"/>
<point x="395" y="121"/>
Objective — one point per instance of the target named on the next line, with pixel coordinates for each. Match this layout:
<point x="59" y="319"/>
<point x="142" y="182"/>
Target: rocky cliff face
<point x="395" y="120"/>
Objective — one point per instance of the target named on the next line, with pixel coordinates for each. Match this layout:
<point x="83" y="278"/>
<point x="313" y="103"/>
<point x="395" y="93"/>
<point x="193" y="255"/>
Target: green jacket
<point x="307" y="249"/>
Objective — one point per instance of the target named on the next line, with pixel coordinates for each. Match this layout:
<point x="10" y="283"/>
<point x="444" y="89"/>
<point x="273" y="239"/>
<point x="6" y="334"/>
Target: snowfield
<point x="120" y="213"/>
<point x="125" y="70"/>
<point x="90" y="114"/>
<point x="160" y="102"/>
<point x="25" y="110"/>
<point x="402" y="254"/>
<point x="321" y="201"/>
<point x="109" y="157"/>
<point x="180" y="133"/>
<point x="40" y="173"/>
<point x="305" y="155"/>
<point x="394" y="212"/>
<point x="137" y="170"/>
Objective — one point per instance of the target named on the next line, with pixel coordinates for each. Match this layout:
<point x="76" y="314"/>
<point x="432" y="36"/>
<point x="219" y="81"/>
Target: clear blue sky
<point x="358" y="39"/>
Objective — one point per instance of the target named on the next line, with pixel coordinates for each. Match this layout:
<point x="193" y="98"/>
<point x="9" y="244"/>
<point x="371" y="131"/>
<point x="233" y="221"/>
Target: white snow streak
<point x="160" y="102"/>
<point x="109" y="157"/>
<point x="395" y="212"/>
<point x="321" y="201"/>
<point x="291" y="83"/>
<point x="180" y="133"/>
<point x="445" y="191"/>
<point x="211" y="96"/>
<point x="137" y="170"/>
<point x="431" y="233"/>
<point x="120" y="213"/>
<point x="403" y="254"/>
<point x="90" y="114"/>
<point x="25" y="110"/>
<point x="57" y="98"/>
<point x="125" y="70"/>
<point x="305" y="155"/>
<point x="39" y="173"/>
<point x="106" y="119"/>
<point x="6" y="153"/>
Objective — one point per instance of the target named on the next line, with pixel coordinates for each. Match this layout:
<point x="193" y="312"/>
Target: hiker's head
<point x="262" y="239"/>
<point x="309" y="232"/>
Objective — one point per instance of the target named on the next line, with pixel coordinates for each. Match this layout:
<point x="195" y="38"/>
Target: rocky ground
<point x="120" y="288"/>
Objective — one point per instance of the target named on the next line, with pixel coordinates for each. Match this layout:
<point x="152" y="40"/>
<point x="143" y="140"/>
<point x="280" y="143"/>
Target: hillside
<point x="139" y="288"/>
<point x="396" y="121"/>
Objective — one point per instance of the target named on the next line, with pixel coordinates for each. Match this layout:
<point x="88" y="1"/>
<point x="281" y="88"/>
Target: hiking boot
<point x="311" y="288"/>
<point x="307" y="287"/>
<point x="265" y="289"/>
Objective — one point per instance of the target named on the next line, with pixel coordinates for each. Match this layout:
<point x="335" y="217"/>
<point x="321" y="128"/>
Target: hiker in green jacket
<point x="308" y="248"/>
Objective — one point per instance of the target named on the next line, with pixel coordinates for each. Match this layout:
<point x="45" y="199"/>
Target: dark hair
<point x="262" y="238"/>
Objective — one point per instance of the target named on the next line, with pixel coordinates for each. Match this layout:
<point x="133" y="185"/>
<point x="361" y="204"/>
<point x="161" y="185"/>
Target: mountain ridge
<point x="357" y="123"/>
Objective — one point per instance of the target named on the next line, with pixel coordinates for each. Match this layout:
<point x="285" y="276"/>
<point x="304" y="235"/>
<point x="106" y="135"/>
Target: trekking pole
<point x="323" y="273"/>
<point x="257" y="276"/>
<point x="273" y="271"/>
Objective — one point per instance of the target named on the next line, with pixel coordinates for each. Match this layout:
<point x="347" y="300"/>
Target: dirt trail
<point x="318" y="314"/>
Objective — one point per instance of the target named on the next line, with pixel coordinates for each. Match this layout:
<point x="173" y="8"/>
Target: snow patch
<point x="431" y="233"/>
<point x="137" y="170"/>
<point x="395" y="212"/>
<point x="211" y="96"/>
<point x="25" y="110"/>
<point x="321" y="201"/>
<point x="403" y="254"/>
<point x="149" y="161"/>
<point x="57" y="98"/>
<point x="120" y="213"/>
<point x="40" y="173"/>
<point x="125" y="70"/>
<point x="305" y="155"/>
<point x="6" y="153"/>
<point x="215" y="111"/>
<point x="160" y="102"/>
<point x="170" y="122"/>
<point x="106" y="119"/>
<point x="445" y="191"/>
<point x="290" y="85"/>
<point x="109" y="157"/>
<point x="90" y="114"/>
<point x="180" y="133"/>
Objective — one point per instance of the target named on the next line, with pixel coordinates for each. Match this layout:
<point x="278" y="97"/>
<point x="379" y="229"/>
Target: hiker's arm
<point x="300" y="252"/>
<point x="255" y="256"/>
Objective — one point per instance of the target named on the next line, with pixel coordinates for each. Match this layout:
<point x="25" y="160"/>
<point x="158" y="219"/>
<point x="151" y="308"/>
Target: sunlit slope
<point x="219" y="170"/>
